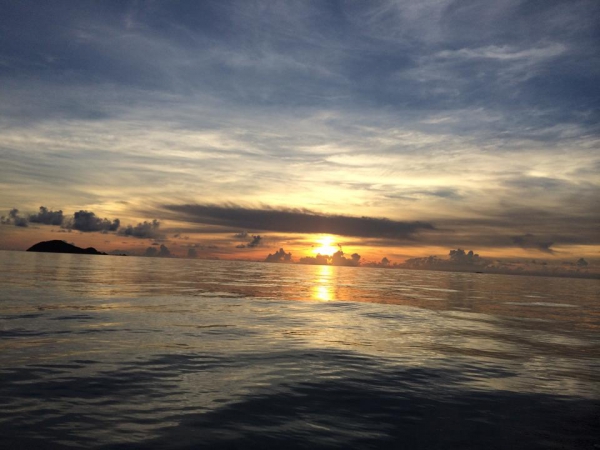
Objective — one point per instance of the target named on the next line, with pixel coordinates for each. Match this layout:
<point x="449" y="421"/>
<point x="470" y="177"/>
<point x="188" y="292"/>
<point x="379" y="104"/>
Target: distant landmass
<point x="57" y="246"/>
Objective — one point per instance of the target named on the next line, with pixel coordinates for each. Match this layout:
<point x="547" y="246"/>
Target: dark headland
<point x="57" y="246"/>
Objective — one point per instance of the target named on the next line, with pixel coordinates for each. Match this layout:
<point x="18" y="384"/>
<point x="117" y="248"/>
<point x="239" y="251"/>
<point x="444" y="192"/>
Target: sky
<point x="231" y="129"/>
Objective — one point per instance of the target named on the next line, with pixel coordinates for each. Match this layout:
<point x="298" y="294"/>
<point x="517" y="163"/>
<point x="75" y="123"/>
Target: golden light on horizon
<point x="327" y="245"/>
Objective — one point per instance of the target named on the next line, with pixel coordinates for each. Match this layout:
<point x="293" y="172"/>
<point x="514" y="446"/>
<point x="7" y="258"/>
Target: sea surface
<point x="102" y="352"/>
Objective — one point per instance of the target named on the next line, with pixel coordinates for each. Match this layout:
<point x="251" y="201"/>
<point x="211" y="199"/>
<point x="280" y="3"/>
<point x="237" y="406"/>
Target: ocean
<point x="106" y="352"/>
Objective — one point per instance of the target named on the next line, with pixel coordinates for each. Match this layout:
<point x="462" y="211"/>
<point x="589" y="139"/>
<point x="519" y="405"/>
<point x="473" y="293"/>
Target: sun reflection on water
<point x="323" y="288"/>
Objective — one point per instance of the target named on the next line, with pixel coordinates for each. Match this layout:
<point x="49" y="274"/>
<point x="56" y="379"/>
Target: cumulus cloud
<point x="320" y="260"/>
<point x="47" y="217"/>
<point x="296" y="220"/>
<point x="279" y="256"/>
<point x="163" y="251"/>
<point x="337" y="259"/>
<point x="385" y="262"/>
<point x="255" y="242"/>
<point x="143" y="230"/>
<point x="87" y="221"/>
<point x="529" y="241"/>
<point x="14" y="219"/>
<point x="457" y="259"/>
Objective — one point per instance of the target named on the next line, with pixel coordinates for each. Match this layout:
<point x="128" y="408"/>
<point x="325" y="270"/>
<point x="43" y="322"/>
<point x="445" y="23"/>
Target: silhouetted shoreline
<point x="57" y="246"/>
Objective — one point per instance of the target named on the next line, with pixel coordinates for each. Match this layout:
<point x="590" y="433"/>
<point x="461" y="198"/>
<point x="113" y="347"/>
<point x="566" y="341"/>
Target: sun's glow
<point x="327" y="246"/>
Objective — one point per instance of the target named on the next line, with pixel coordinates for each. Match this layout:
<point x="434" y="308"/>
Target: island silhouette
<point x="57" y="246"/>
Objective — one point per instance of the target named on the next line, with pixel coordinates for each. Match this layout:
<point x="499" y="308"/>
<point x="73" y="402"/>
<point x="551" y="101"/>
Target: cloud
<point x="14" y="218"/>
<point x="151" y="251"/>
<point x="255" y="242"/>
<point x="458" y="259"/>
<point x="337" y="259"/>
<point x="279" y="256"/>
<point x="87" y="221"/>
<point x="320" y="260"/>
<point x="297" y="221"/>
<point x="143" y="230"/>
<point x="162" y="252"/>
<point x="529" y="241"/>
<point x="47" y="217"/>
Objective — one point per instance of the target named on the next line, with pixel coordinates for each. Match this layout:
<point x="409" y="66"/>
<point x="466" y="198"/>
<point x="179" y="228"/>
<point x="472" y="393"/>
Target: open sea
<point x="106" y="352"/>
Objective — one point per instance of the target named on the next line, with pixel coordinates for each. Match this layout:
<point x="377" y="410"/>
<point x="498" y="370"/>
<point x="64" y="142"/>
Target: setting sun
<point x="327" y="246"/>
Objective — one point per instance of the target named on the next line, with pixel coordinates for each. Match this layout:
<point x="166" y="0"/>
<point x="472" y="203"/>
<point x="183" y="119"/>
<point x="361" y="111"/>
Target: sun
<point x="327" y="246"/>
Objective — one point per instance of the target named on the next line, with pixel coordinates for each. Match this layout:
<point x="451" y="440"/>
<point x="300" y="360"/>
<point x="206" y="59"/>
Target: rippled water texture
<point x="124" y="352"/>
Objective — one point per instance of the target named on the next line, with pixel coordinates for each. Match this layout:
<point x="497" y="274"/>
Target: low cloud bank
<point x="84" y="221"/>
<point x="457" y="259"/>
<point x="296" y="221"/>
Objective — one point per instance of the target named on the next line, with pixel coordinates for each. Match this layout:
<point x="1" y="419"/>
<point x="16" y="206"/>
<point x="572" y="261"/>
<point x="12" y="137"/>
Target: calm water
<point x="113" y="352"/>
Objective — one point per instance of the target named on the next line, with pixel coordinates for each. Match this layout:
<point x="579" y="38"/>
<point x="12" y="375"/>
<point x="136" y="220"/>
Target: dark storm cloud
<point x="296" y="221"/>
<point x="87" y="221"/>
<point x="143" y="230"/>
<point x="47" y="217"/>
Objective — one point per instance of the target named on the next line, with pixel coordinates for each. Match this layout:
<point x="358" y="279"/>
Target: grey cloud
<point x="87" y="221"/>
<point x="320" y="260"/>
<point x="163" y="252"/>
<point x="151" y="251"/>
<point x="530" y="241"/>
<point x="14" y="219"/>
<point x="255" y="242"/>
<point x="337" y="259"/>
<point x="458" y="259"/>
<point x="414" y="194"/>
<point x="385" y="263"/>
<point x="296" y="221"/>
<point x="581" y="263"/>
<point x="47" y="217"/>
<point x="143" y="230"/>
<point x="279" y="256"/>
